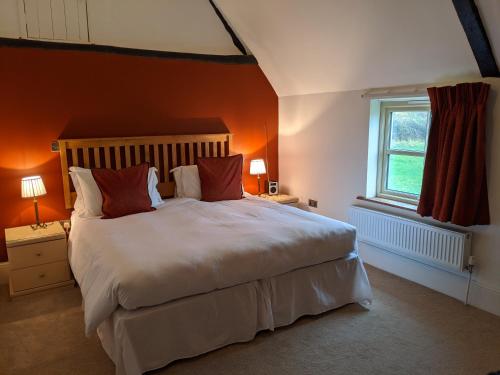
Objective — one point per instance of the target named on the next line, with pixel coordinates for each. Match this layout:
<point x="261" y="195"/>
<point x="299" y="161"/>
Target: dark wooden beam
<point x="225" y="59"/>
<point x="476" y="34"/>
<point x="228" y="28"/>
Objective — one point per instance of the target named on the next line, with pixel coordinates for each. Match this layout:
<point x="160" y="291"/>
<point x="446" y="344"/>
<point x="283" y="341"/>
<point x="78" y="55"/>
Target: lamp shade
<point x="32" y="187"/>
<point x="257" y="166"/>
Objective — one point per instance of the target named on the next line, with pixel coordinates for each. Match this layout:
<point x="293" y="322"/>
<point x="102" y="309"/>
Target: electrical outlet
<point x="313" y="203"/>
<point x="66" y="225"/>
<point x="54" y="146"/>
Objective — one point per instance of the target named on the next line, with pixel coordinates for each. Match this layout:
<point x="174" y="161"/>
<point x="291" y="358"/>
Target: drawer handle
<point x="41" y="276"/>
<point x="38" y="254"/>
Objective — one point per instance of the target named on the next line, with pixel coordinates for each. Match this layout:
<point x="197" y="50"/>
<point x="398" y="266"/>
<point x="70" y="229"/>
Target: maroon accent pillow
<point x="124" y="192"/>
<point x="220" y="178"/>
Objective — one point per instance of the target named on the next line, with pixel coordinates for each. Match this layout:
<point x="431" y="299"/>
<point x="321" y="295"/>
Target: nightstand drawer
<point x="33" y="277"/>
<point x="37" y="253"/>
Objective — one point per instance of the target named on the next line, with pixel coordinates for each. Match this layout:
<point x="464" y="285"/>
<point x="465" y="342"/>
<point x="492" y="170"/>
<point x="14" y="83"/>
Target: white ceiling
<point x="335" y="45"/>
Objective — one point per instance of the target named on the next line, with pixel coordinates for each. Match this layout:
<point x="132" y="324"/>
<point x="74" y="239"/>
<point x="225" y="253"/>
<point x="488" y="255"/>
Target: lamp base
<point x="38" y="226"/>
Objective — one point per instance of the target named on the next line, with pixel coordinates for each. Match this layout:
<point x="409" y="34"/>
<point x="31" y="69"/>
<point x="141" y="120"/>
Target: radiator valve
<point x="471" y="263"/>
<point x="470" y="267"/>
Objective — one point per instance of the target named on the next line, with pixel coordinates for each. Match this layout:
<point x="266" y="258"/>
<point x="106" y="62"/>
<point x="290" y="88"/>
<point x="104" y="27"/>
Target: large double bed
<point x="194" y="276"/>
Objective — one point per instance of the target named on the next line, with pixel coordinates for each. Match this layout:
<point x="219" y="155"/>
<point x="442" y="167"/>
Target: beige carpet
<point x="409" y="330"/>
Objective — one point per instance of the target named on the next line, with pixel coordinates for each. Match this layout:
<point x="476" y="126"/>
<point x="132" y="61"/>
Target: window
<point x="403" y="133"/>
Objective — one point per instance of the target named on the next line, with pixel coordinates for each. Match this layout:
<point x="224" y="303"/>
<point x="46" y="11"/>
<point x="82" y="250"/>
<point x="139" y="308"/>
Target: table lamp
<point x="257" y="167"/>
<point x="33" y="187"/>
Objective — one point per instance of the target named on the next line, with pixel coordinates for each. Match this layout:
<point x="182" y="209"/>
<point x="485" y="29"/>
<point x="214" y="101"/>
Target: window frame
<point x="386" y="110"/>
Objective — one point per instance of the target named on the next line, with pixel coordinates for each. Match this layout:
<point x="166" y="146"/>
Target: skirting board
<point x="444" y="282"/>
<point x="4" y="273"/>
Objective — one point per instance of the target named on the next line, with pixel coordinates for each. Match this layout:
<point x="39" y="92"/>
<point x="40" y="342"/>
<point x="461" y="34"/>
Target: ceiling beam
<point x="473" y="26"/>
<point x="228" y="28"/>
<point x="225" y="59"/>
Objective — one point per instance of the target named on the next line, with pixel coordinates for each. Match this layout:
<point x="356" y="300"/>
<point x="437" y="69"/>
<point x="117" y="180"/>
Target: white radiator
<point x="429" y="244"/>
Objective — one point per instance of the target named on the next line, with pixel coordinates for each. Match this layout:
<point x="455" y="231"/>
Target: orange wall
<point x="49" y="94"/>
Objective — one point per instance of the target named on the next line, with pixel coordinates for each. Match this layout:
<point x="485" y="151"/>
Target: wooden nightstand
<point x="38" y="259"/>
<point x="282" y="199"/>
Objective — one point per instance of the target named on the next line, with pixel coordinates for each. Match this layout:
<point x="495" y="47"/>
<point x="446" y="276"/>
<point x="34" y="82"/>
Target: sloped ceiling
<point x="164" y="25"/>
<point x="336" y="45"/>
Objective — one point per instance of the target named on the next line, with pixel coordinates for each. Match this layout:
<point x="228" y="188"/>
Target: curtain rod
<point x="396" y="92"/>
<point x="409" y="91"/>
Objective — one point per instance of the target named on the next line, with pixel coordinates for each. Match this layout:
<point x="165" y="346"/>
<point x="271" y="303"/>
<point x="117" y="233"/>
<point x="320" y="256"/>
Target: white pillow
<point x="78" y="205"/>
<point x="152" y="190"/>
<point x="187" y="182"/>
<point x="89" y="198"/>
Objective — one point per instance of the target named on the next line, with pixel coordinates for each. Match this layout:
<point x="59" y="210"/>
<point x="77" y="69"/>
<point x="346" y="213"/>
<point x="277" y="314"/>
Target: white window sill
<point x="390" y="203"/>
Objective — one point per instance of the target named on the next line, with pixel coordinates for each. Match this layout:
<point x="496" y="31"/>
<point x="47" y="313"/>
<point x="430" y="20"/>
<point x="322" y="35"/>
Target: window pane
<point x="409" y="130"/>
<point x="405" y="173"/>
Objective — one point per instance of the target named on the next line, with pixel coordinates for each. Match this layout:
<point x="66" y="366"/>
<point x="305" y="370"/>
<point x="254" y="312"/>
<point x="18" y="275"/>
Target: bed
<point x="195" y="276"/>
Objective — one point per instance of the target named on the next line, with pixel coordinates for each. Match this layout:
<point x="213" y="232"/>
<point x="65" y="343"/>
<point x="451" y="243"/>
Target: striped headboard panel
<point x="164" y="152"/>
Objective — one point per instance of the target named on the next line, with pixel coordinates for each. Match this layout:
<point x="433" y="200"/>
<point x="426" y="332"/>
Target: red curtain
<point x="454" y="184"/>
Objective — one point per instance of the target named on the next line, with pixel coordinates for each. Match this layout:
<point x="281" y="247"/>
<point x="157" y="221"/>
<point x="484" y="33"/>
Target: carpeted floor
<point x="408" y="330"/>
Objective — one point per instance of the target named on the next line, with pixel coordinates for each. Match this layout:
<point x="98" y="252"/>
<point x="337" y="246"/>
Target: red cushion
<point x="124" y="192"/>
<point x="220" y="178"/>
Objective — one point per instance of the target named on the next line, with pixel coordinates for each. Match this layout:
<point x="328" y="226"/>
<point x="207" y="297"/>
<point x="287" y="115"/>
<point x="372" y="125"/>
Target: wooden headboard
<point x="164" y="152"/>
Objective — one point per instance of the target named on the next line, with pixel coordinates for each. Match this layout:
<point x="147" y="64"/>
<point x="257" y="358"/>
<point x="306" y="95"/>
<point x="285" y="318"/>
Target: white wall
<point x="323" y="147"/>
<point x="323" y="142"/>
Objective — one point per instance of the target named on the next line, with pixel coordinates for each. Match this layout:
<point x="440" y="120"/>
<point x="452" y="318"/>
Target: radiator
<point x="426" y="243"/>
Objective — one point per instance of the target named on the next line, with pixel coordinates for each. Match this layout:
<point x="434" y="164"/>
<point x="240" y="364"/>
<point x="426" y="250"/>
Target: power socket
<point x="313" y="203"/>
<point x="66" y="225"/>
<point x="54" y="146"/>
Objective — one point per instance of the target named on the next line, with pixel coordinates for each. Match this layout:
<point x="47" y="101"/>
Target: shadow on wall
<point x="131" y="126"/>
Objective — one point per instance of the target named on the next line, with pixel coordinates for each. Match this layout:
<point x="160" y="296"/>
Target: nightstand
<point x="38" y="258"/>
<point x="282" y="199"/>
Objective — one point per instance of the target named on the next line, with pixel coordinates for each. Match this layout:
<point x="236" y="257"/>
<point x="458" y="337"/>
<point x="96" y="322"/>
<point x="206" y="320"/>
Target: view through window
<point x="404" y="131"/>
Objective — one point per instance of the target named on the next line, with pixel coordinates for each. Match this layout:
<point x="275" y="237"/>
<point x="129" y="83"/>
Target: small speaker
<point x="273" y="188"/>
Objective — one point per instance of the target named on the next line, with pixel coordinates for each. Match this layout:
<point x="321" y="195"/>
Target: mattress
<point x="152" y="337"/>
<point x="188" y="247"/>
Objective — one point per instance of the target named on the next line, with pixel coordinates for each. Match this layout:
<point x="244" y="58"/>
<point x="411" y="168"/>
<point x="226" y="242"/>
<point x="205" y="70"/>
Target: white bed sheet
<point x="188" y="247"/>
<point x="151" y="337"/>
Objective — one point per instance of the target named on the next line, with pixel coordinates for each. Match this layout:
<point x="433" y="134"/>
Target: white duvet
<point x="188" y="247"/>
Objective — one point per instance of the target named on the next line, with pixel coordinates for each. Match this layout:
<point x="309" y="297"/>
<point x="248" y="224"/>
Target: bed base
<point x="150" y="338"/>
